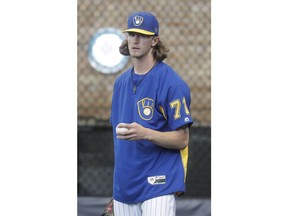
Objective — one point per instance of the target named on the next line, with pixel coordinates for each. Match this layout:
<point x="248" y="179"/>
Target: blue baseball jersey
<point x="144" y="170"/>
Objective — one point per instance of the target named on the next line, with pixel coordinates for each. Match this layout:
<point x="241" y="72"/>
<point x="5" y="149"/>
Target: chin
<point x="133" y="55"/>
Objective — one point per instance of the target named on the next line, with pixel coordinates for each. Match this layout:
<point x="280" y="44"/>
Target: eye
<point x="131" y="34"/>
<point x="146" y="36"/>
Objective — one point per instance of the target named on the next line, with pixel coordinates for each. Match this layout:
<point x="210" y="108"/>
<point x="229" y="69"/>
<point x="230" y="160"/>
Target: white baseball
<point x="121" y="129"/>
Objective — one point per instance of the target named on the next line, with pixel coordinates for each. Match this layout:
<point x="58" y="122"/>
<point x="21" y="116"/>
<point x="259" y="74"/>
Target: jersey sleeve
<point x="177" y="105"/>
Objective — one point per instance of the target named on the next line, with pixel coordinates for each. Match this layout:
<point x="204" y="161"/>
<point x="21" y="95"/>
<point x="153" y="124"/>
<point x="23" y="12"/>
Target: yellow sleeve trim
<point x="162" y="111"/>
<point x="184" y="156"/>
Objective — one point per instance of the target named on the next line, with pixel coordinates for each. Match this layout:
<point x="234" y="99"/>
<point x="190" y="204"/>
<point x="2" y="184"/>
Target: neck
<point x="143" y="66"/>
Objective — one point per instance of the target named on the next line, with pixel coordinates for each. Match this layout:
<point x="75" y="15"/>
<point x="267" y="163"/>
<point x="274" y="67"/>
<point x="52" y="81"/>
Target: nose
<point x="136" y="38"/>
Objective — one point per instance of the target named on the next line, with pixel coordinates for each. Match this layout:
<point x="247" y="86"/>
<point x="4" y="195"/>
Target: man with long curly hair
<point x="150" y="118"/>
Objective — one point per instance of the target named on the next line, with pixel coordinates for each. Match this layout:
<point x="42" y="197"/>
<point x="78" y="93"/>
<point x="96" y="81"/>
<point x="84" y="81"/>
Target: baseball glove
<point x="109" y="211"/>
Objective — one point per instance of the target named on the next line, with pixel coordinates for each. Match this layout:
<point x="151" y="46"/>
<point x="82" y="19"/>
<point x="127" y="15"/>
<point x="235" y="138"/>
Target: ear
<point x="155" y="41"/>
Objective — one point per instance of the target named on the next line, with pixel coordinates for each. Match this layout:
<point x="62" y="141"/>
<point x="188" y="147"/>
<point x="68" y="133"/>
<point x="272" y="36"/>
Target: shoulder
<point x="123" y="76"/>
<point x="170" y="77"/>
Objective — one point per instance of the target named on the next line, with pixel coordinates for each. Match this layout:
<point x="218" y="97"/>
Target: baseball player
<point x="150" y="118"/>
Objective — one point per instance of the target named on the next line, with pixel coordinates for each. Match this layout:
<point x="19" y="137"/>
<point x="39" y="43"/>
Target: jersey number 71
<point x="176" y="104"/>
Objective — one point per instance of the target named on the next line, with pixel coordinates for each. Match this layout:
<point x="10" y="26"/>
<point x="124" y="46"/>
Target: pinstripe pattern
<point x="158" y="206"/>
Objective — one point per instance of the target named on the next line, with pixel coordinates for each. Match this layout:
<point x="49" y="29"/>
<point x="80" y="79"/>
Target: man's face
<point x="139" y="44"/>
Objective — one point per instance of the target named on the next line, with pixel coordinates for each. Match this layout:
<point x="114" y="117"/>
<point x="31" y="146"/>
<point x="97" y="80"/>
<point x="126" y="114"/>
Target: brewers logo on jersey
<point x="145" y="108"/>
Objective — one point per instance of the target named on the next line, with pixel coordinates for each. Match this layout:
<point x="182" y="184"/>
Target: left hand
<point x="135" y="131"/>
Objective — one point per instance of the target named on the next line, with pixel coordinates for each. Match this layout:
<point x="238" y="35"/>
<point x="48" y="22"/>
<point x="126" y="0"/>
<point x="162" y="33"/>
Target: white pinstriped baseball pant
<point x="158" y="206"/>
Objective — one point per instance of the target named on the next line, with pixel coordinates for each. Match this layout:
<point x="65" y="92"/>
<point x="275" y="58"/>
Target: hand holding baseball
<point x="133" y="131"/>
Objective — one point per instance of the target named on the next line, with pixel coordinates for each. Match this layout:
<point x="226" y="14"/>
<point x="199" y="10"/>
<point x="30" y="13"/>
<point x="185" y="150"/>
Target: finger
<point x="124" y="137"/>
<point x="130" y="126"/>
<point x="123" y="125"/>
<point x="122" y="131"/>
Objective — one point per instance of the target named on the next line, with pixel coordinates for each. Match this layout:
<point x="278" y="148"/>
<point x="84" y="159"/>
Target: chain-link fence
<point x="185" y="29"/>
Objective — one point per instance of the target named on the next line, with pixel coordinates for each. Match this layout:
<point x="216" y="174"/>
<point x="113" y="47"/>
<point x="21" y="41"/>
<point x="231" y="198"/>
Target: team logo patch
<point x="146" y="108"/>
<point x="138" y="20"/>
<point x="156" y="180"/>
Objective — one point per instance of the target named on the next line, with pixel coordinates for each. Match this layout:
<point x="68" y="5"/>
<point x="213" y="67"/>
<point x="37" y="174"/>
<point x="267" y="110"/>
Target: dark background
<point x="96" y="160"/>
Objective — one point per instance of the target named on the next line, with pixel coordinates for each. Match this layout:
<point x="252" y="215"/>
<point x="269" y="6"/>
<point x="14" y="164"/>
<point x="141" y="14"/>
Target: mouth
<point x="135" y="48"/>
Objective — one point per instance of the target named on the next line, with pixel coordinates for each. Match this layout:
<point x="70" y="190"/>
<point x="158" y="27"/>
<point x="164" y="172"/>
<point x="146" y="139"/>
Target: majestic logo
<point x="146" y="108"/>
<point x="155" y="180"/>
<point x="186" y="119"/>
<point x="137" y="20"/>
